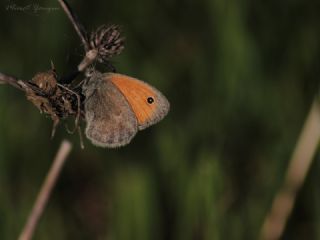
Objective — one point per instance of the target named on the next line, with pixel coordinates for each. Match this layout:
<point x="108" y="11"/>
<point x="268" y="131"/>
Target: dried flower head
<point x="107" y="41"/>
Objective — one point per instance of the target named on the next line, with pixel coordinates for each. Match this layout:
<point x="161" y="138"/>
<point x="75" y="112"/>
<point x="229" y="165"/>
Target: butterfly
<point x="118" y="106"/>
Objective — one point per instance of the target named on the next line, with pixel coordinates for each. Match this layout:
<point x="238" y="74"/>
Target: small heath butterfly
<point x="117" y="106"/>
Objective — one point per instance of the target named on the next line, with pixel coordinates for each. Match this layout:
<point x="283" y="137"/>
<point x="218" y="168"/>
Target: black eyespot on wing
<point x="150" y="100"/>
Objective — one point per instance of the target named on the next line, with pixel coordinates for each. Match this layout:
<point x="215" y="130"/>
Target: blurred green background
<point x="240" y="76"/>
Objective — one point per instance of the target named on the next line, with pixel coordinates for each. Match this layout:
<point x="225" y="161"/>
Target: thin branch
<point x="76" y="23"/>
<point x="45" y="191"/>
<point x="303" y="155"/>
<point x="11" y="80"/>
<point x="19" y="84"/>
<point x="101" y="45"/>
<point x="88" y="59"/>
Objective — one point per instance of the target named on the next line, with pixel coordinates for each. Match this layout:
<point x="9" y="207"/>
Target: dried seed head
<point x="46" y="81"/>
<point x="107" y="41"/>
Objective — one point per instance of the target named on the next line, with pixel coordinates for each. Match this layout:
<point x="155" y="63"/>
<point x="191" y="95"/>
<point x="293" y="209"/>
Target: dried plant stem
<point x="299" y="165"/>
<point x="6" y="79"/>
<point x="89" y="58"/>
<point x="75" y="22"/>
<point x="45" y="191"/>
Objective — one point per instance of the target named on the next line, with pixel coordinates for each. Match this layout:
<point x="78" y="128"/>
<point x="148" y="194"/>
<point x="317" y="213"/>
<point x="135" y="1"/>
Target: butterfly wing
<point x="110" y="120"/>
<point x="147" y="103"/>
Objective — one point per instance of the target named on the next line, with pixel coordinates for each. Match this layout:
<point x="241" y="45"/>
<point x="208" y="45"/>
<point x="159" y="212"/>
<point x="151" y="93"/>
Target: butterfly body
<point x="117" y="106"/>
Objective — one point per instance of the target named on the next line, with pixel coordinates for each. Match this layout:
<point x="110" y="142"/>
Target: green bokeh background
<point x="240" y="77"/>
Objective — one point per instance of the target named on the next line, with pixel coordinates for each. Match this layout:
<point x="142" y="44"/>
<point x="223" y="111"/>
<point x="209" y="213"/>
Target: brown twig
<point x="88" y="59"/>
<point x="275" y="222"/>
<point x="11" y="80"/>
<point x="91" y="55"/>
<point x="45" y="191"/>
<point x="76" y="23"/>
<point x="17" y="83"/>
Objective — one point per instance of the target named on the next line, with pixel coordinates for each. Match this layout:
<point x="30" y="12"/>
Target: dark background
<point x="240" y="77"/>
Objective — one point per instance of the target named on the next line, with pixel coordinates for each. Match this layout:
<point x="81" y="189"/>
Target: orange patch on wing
<point x="136" y="92"/>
